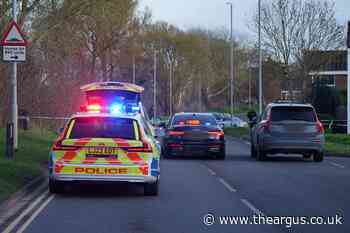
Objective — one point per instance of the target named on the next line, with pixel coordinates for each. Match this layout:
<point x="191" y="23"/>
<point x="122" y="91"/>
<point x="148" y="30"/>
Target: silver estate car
<point x="287" y="128"/>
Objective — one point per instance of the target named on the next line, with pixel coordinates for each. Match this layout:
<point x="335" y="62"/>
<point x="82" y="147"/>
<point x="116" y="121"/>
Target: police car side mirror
<point x="60" y="130"/>
<point x="251" y="115"/>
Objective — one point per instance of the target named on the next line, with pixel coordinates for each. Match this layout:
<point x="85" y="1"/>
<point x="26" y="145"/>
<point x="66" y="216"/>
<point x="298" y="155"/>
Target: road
<point x="191" y="188"/>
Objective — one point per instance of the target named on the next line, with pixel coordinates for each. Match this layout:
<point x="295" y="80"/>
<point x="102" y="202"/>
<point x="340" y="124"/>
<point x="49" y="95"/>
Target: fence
<point x="44" y="122"/>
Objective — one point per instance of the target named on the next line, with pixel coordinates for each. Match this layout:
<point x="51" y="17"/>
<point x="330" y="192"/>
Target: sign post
<point x="14" y="50"/>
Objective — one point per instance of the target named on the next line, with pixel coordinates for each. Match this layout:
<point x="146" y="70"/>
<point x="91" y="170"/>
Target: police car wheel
<point x="56" y="186"/>
<point x="151" y="189"/>
<point x="221" y="155"/>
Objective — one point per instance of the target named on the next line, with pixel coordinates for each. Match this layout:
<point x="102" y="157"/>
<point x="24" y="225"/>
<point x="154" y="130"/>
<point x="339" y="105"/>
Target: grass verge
<point x="28" y="161"/>
<point x="336" y="144"/>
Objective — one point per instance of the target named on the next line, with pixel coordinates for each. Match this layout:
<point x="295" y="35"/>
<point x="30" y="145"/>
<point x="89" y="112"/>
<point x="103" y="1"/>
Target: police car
<point x="106" y="143"/>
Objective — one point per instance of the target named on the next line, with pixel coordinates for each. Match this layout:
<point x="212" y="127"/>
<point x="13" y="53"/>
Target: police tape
<point x="287" y="221"/>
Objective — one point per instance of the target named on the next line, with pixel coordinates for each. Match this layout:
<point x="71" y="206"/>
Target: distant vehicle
<point x="225" y="120"/>
<point x="193" y="134"/>
<point x="105" y="147"/>
<point x="287" y="128"/>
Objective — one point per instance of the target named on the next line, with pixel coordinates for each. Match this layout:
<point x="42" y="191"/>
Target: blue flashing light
<point x="117" y="108"/>
<point x="135" y="108"/>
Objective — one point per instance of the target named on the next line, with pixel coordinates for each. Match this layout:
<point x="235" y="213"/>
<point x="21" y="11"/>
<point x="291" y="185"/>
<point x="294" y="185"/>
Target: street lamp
<point x="260" y="60"/>
<point x="231" y="60"/>
<point x="154" y="85"/>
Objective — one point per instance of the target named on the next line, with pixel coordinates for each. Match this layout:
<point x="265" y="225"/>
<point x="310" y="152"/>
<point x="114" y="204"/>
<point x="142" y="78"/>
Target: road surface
<point x="192" y="188"/>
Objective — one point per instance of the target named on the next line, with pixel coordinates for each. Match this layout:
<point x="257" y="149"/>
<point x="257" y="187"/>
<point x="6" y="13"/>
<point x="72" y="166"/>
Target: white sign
<point x="14" y="53"/>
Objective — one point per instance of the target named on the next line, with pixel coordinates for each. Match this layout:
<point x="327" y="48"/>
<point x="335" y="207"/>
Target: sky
<point x="212" y="14"/>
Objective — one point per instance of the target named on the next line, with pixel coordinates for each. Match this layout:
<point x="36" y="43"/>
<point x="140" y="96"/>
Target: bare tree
<point x="291" y="27"/>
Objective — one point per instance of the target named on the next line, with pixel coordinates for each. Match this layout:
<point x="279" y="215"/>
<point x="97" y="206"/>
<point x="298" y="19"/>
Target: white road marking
<point x="36" y="213"/>
<point x="337" y="165"/>
<point x="248" y="143"/>
<point x="228" y="186"/>
<point x="252" y="207"/>
<point x="211" y="171"/>
<point x="25" y="212"/>
<point x="19" y="202"/>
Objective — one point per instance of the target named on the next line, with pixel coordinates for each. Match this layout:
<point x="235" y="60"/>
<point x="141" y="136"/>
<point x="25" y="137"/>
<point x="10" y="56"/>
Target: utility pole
<point x="155" y="86"/>
<point x="14" y="106"/>
<point x="133" y="69"/>
<point x="171" y="87"/>
<point x="250" y="86"/>
<point x="231" y="61"/>
<point x="260" y="62"/>
<point x="348" y="112"/>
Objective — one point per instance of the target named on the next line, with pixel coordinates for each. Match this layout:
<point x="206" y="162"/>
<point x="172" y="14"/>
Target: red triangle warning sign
<point x="13" y="36"/>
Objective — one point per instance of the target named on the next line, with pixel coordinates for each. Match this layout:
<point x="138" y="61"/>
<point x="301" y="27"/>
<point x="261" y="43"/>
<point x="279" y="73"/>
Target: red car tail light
<point x="175" y="133"/>
<point x="265" y="125"/>
<point x="175" y="145"/>
<point x="146" y="148"/>
<point x="320" y="127"/>
<point x="57" y="146"/>
<point x="216" y="134"/>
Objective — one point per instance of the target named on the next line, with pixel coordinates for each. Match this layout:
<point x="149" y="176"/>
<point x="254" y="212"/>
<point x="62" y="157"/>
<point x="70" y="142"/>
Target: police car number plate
<point x="102" y="152"/>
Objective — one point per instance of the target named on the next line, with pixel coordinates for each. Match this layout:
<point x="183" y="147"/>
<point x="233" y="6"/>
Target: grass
<point x="336" y="144"/>
<point x="28" y="161"/>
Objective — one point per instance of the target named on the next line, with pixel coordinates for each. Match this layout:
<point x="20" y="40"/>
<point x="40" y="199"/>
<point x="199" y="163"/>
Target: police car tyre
<point x="318" y="156"/>
<point x="261" y="155"/>
<point x="151" y="189"/>
<point x="221" y="155"/>
<point x="56" y="186"/>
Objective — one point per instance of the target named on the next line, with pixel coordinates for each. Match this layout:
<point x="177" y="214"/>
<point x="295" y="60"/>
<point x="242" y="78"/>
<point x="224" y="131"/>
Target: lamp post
<point x="231" y="61"/>
<point x="260" y="61"/>
<point x="155" y="86"/>
<point x="348" y="80"/>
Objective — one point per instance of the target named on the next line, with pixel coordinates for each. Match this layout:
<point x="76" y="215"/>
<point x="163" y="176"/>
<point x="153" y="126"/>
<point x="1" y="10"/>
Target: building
<point x="328" y="68"/>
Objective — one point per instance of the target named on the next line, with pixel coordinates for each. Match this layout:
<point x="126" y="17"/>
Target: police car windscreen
<point x="293" y="114"/>
<point x="103" y="127"/>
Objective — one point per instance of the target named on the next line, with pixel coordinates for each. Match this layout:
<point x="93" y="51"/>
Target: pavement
<point x="190" y="188"/>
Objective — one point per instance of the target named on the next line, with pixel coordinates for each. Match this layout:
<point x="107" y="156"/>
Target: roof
<point x="112" y="86"/>
<point x="135" y="116"/>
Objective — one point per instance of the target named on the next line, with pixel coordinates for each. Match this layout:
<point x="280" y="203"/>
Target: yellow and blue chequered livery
<point x="105" y="147"/>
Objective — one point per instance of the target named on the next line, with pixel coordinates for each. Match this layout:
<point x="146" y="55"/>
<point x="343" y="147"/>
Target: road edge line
<point x="16" y="221"/>
<point x="35" y="214"/>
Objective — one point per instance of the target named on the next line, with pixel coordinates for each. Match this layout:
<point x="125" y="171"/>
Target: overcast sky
<point x="213" y="14"/>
